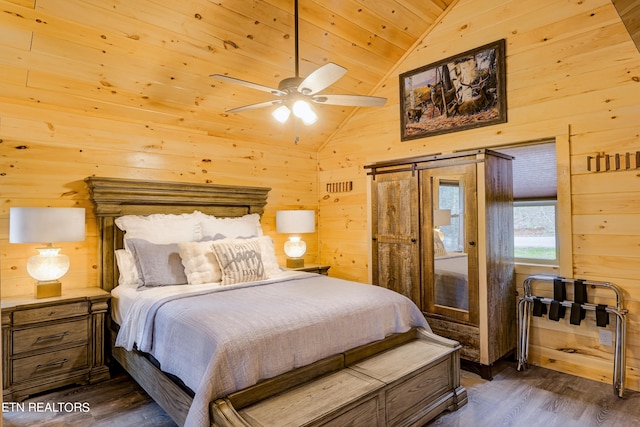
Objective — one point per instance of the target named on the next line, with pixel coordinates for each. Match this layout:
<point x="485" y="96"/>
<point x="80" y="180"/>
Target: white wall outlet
<point x="606" y="337"/>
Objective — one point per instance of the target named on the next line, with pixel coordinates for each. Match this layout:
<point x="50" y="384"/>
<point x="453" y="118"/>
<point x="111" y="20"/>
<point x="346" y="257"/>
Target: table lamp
<point x="441" y="217"/>
<point x="295" y="222"/>
<point x="47" y="226"/>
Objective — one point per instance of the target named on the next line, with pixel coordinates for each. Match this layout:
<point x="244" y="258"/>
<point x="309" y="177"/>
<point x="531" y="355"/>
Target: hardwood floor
<point x="541" y="397"/>
<point x="118" y="402"/>
<point x="536" y="397"/>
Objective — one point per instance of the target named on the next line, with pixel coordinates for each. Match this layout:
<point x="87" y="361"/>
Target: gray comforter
<point x="229" y="338"/>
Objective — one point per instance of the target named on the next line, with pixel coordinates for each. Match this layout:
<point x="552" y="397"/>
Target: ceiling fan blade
<point x="255" y="106"/>
<point x="321" y="78"/>
<point x="350" y="100"/>
<point x="248" y="84"/>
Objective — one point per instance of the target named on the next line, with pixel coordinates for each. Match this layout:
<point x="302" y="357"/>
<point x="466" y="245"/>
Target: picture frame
<point x="464" y="91"/>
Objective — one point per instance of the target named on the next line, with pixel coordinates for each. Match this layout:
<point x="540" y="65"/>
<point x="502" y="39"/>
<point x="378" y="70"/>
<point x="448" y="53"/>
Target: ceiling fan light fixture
<point x="297" y="93"/>
<point x="281" y="113"/>
<point x="303" y="111"/>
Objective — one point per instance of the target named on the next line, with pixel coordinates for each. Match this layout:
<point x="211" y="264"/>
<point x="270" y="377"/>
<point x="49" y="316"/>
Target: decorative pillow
<point x="161" y="228"/>
<point x="127" y="268"/>
<point x="243" y="226"/>
<point x="438" y="246"/>
<point x="200" y="263"/>
<point x="240" y="260"/>
<point x="158" y="265"/>
<point x="269" y="259"/>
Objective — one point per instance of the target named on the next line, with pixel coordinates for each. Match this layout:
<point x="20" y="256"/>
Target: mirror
<point x="451" y="278"/>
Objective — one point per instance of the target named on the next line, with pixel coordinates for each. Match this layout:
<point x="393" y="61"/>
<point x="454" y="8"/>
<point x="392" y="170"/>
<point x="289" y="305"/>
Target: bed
<point x="251" y="358"/>
<point x="451" y="280"/>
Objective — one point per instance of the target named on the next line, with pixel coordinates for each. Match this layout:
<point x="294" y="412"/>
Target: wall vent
<point x="339" y="187"/>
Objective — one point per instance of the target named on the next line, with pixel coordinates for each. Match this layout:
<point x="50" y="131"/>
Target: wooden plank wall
<point x="573" y="73"/>
<point x="45" y="154"/>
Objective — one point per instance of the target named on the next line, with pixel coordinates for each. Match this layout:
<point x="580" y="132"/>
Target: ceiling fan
<point x="296" y="93"/>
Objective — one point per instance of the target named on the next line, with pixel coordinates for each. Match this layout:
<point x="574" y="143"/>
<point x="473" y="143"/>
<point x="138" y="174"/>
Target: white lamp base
<point x="295" y="248"/>
<point x="48" y="289"/>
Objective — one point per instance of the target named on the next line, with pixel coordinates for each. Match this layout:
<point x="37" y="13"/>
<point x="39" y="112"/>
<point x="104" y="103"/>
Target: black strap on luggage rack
<point x="526" y="310"/>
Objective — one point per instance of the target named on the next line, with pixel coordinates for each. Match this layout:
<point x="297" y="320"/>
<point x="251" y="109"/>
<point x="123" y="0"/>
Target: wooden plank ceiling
<point x="629" y="11"/>
<point x="149" y="61"/>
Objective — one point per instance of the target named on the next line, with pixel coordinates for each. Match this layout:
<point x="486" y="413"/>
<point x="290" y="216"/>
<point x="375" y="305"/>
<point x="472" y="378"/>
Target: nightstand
<point x="53" y="342"/>
<point x="313" y="268"/>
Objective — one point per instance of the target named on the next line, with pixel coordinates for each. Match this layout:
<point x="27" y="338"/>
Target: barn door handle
<point x="472" y="243"/>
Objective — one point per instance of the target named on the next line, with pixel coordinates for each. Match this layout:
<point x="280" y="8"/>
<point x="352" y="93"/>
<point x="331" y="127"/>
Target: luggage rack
<point x="525" y="311"/>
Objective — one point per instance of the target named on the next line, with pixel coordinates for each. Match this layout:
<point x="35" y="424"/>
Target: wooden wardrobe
<point x="442" y="231"/>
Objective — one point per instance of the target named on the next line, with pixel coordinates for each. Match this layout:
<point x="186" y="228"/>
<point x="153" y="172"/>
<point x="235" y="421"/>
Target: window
<point x="535" y="202"/>
<point x="535" y="231"/>
<point x="450" y="198"/>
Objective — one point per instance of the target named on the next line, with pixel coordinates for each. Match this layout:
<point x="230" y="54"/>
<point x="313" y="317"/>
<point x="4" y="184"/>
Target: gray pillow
<point x="158" y="265"/>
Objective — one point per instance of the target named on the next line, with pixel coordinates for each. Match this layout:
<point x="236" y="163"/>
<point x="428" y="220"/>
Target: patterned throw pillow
<point x="240" y="260"/>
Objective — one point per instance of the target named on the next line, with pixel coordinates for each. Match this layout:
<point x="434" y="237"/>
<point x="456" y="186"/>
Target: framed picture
<point x="461" y="92"/>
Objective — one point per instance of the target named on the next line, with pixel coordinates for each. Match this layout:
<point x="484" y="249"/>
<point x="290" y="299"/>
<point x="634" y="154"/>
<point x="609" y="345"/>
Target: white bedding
<point x="234" y="336"/>
<point x="451" y="280"/>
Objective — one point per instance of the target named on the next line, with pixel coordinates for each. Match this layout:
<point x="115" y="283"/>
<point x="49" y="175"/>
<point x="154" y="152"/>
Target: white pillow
<point x="240" y="260"/>
<point x="243" y="226"/>
<point x="200" y="263"/>
<point x="127" y="268"/>
<point x="269" y="259"/>
<point x="161" y="228"/>
<point x="438" y="246"/>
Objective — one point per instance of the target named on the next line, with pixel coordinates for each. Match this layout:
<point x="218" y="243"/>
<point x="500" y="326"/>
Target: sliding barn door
<point x="395" y="234"/>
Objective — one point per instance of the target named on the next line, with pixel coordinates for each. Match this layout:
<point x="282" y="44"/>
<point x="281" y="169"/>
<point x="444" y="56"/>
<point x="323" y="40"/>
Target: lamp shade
<point x="441" y="217"/>
<point x="296" y="221"/>
<point x="46" y="225"/>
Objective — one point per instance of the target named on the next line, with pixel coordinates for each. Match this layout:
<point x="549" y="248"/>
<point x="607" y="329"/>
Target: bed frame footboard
<point x="406" y="383"/>
<point x="405" y="379"/>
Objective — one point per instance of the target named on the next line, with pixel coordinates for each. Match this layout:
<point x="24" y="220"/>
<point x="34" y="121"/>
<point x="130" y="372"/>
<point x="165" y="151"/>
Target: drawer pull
<point x="52" y="337"/>
<point x="58" y="363"/>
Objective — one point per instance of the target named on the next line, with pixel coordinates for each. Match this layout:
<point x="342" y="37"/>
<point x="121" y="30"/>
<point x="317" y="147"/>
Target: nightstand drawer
<point x="43" y="314"/>
<point x="53" y="342"/>
<point x="50" y="335"/>
<point x="56" y="362"/>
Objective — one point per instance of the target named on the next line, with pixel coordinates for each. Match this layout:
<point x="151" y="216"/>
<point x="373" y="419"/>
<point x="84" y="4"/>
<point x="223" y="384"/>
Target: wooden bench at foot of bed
<point x="405" y="385"/>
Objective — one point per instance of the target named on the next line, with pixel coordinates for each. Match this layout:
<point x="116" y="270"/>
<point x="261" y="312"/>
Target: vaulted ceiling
<point x="149" y="61"/>
<point x="629" y="11"/>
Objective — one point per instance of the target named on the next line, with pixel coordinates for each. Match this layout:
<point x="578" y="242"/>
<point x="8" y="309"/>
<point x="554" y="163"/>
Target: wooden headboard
<point x="114" y="197"/>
